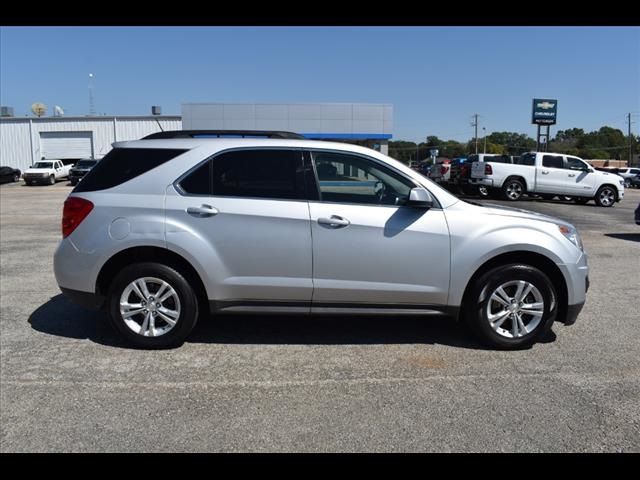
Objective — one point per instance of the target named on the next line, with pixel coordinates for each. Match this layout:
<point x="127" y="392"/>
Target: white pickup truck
<point x="46" y="171"/>
<point x="549" y="174"/>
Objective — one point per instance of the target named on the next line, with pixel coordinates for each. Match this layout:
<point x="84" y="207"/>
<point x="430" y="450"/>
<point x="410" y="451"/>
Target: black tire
<point x="627" y="183"/>
<point x="483" y="191"/>
<point x="16" y="177"/>
<point x="188" y="305"/>
<point x="604" y="194"/>
<point x="581" y="200"/>
<point x="513" y="189"/>
<point x="546" y="196"/>
<point x="477" y="304"/>
<point x="52" y="179"/>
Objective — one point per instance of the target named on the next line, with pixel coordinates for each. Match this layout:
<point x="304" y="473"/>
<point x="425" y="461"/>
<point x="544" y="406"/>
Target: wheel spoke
<point x="166" y="295"/>
<point x="131" y="313"/>
<point x="170" y="321"/>
<point x="522" y="329"/>
<point x="526" y="292"/>
<point x="161" y="290"/>
<point x="519" y="290"/>
<point x="152" y="325"/>
<point x="136" y="289"/>
<point x="498" y="319"/>
<point x="515" y="331"/>
<point x="143" y="287"/>
<point x="170" y="313"/>
<point x="500" y="291"/>
<point x="129" y="306"/>
<point x="498" y="299"/>
<point x="145" y="325"/>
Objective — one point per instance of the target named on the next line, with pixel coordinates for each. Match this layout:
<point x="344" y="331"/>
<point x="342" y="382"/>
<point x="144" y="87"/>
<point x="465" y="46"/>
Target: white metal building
<point x="24" y="140"/>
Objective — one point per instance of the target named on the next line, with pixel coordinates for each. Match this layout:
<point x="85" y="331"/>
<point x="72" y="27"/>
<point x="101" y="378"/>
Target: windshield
<point x="43" y="165"/>
<point x="86" y="163"/>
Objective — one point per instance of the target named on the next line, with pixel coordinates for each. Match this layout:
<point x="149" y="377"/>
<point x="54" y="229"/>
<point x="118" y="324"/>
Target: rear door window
<point x="553" y="161"/>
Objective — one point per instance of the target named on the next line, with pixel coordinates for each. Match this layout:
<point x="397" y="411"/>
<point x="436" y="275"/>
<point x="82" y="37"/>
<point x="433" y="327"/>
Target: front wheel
<point x="512" y="189"/>
<point x="512" y="306"/>
<point x="606" y="196"/>
<point x="16" y="177"/>
<point x="52" y="179"/>
<point x="153" y="305"/>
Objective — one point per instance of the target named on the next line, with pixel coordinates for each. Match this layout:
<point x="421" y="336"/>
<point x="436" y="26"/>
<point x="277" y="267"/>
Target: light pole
<point x="484" y="133"/>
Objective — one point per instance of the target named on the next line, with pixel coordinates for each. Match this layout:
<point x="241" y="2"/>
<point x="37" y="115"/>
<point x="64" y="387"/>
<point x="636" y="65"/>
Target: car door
<point x="248" y="207"/>
<point x="369" y="250"/>
<point x="580" y="177"/>
<point x="551" y="177"/>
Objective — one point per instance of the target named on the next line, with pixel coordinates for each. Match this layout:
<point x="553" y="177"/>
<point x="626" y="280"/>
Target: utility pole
<point x="630" y="142"/>
<point x="92" y="108"/>
<point x="475" y="124"/>
<point x="484" y="134"/>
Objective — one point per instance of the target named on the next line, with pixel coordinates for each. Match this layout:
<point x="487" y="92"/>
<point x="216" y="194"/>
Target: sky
<point x="435" y="77"/>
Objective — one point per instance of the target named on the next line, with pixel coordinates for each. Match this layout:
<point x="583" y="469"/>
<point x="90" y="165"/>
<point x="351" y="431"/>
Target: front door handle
<point x="572" y="174"/>
<point x="545" y="172"/>
<point x="202" y="211"/>
<point x="335" y="221"/>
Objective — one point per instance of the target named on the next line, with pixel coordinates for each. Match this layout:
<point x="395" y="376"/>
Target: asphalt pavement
<point x="298" y="384"/>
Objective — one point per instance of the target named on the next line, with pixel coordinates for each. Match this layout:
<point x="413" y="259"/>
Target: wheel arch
<point x="537" y="260"/>
<point x="149" y="254"/>
<point x="516" y="177"/>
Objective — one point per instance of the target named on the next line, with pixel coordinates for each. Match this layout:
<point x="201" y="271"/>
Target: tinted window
<point x="259" y="173"/>
<point x="635" y="171"/>
<point x="352" y="179"/>
<point x="86" y="163"/>
<point x="497" y="158"/>
<point x="552" y="161"/>
<point x="122" y="164"/>
<point x="527" y="159"/>
<point x="198" y="182"/>
<point x="576" y="164"/>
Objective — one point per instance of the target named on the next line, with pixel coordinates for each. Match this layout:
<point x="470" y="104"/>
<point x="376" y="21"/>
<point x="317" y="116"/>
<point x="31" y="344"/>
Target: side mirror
<point x="421" y="198"/>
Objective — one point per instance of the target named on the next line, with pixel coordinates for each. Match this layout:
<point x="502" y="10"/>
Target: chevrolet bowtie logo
<point x="545" y="105"/>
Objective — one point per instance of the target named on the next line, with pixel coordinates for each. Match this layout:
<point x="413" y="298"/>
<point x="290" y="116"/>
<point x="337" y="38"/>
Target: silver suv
<point x="168" y="229"/>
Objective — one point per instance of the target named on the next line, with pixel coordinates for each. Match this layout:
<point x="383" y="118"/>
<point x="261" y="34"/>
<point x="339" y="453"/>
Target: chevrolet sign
<point x="544" y="111"/>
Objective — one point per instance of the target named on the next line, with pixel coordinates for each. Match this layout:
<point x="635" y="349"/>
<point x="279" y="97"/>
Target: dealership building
<point x="24" y="140"/>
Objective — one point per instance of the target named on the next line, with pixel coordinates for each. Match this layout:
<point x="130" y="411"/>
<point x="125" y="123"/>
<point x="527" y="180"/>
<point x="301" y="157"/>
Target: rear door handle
<point x="545" y="172"/>
<point x="335" y="221"/>
<point x="202" y="211"/>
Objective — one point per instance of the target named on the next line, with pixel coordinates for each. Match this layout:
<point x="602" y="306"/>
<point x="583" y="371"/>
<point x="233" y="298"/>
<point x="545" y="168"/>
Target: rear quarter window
<point x="123" y="164"/>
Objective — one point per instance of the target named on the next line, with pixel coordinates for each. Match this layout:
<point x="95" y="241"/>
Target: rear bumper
<point x="89" y="300"/>
<point x="487" y="182"/>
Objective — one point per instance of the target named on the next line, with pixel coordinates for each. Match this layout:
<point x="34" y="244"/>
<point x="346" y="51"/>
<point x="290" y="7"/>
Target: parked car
<point x="80" y="169"/>
<point x="164" y="230"/>
<point x="9" y="174"/>
<point x="551" y="174"/>
<point x="441" y="170"/>
<point x="637" y="215"/>
<point x="628" y="174"/>
<point x="635" y="181"/>
<point x="46" y="171"/>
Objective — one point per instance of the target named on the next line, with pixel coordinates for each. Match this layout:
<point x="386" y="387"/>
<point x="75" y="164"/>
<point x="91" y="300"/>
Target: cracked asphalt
<point x="295" y="384"/>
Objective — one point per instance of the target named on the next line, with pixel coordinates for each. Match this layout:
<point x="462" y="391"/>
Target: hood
<point x="492" y="209"/>
<point x="36" y="170"/>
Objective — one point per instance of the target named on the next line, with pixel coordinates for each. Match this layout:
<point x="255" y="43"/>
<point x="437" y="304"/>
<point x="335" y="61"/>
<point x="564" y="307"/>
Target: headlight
<point x="571" y="234"/>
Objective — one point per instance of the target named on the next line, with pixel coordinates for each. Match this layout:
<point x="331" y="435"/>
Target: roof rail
<point x="222" y="133"/>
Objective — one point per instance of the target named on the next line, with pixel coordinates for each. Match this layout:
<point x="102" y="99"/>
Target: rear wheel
<point x="152" y="305"/>
<point x="512" y="189"/>
<point x="511" y="306"/>
<point x="606" y="196"/>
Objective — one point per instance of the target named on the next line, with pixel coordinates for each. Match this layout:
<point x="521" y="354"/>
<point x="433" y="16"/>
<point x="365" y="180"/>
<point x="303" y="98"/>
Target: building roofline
<point x="96" y="117"/>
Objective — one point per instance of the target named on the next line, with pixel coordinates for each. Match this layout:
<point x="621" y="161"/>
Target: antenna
<point x="39" y="109"/>
<point x="58" y="111"/>
<point x="92" y="107"/>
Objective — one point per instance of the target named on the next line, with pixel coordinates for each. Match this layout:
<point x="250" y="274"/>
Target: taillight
<point x="488" y="170"/>
<point x="74" y="212"/>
